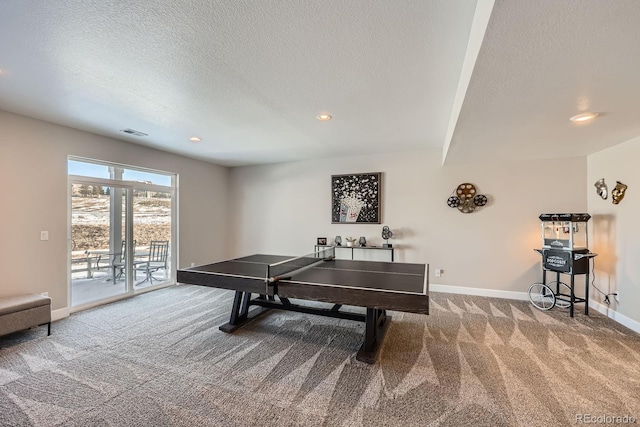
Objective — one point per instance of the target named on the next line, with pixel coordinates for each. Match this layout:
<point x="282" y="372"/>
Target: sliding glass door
<point x="152" y="212"/>
<point x="122" y="231"/>
<point x="98" y="236"/>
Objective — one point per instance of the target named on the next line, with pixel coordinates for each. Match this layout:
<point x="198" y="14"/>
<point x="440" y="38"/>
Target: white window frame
<point x="130" y="185"/>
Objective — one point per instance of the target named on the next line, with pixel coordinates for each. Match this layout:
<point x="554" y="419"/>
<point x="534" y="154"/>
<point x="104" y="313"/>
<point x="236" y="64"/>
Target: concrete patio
<point x="101" y="286"/>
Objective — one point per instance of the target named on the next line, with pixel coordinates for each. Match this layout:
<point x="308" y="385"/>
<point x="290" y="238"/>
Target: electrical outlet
<point x="44" y="235"/>
<point x="438" y="272"/>
<point x="193" y="264"/>
<point x="617" y="296"/>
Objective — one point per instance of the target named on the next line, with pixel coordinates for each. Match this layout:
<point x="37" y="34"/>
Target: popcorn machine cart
<point x="564" y="251"/>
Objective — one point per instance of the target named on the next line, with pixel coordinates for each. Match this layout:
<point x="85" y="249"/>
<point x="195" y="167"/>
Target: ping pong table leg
<point x="240" y="314"/>
<point x="238" y="310"/>
<point x="376" y="325"/>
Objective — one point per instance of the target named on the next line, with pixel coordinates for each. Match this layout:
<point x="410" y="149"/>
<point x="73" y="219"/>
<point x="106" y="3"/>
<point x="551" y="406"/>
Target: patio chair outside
<point x="118" y="261"/>
<point x="157" y="260"/>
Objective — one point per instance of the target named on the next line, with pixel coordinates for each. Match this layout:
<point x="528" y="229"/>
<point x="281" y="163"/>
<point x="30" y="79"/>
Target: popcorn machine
<point x="565" y="243"/>
<point x="565" y="250"/>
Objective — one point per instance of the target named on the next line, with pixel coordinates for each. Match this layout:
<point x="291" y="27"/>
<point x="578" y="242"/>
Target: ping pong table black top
<point x="378" y="286"/>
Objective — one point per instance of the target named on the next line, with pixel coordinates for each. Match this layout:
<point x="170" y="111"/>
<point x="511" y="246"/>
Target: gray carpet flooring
<point x="158" y="359"/>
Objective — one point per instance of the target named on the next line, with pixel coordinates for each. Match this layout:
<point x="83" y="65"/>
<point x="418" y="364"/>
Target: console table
<point x="357" y="248"/>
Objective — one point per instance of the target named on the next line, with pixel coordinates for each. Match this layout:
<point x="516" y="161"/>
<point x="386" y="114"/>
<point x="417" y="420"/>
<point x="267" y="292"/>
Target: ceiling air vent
<point x="134" y="132"/>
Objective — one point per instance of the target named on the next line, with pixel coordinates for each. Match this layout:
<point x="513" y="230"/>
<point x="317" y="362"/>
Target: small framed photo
<point x="322" y="240"/>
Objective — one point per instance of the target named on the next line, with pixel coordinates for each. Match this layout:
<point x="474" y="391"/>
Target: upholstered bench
<point x="22" y="312"/>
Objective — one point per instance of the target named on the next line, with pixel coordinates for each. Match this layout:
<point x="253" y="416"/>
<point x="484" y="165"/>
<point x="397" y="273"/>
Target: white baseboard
<point x="523" y="296"/>
<point x="630" y="323"/>
<point x="634" y="325"/>
<point x="61" y="313"/>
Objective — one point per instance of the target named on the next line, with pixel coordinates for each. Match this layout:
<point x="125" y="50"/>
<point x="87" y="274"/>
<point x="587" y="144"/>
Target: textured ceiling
<point x="249" y="77"/>
<point x="542" y="62"/>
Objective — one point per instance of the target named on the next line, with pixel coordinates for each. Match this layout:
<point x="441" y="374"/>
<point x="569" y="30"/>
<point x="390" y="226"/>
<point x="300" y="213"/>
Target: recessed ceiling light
<point x="194" y="139"/>
<point x="324" y="117"/>
<point x="584" y="117"/>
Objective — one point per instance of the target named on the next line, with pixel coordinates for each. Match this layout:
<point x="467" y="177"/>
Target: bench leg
<point x="42" y="324"/>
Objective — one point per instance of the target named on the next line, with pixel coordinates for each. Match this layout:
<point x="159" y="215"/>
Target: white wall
<point x="616" y="229"/>
<point x="282" y="208"/>
<point x="33" y="172"/>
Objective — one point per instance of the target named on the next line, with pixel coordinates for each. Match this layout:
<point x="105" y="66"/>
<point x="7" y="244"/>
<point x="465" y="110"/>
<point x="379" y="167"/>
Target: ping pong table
<point x="271" y="281"/>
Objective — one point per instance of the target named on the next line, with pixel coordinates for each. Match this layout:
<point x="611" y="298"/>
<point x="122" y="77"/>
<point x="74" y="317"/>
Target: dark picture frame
<point x="322" y="241"/>
<point x="355" y="198"/>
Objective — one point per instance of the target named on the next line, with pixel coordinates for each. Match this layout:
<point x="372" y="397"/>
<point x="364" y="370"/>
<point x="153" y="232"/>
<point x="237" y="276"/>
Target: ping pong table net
<point x="286" y="268"/>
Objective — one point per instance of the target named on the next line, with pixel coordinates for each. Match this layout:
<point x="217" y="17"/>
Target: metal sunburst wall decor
<point x="466" y="198"/>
